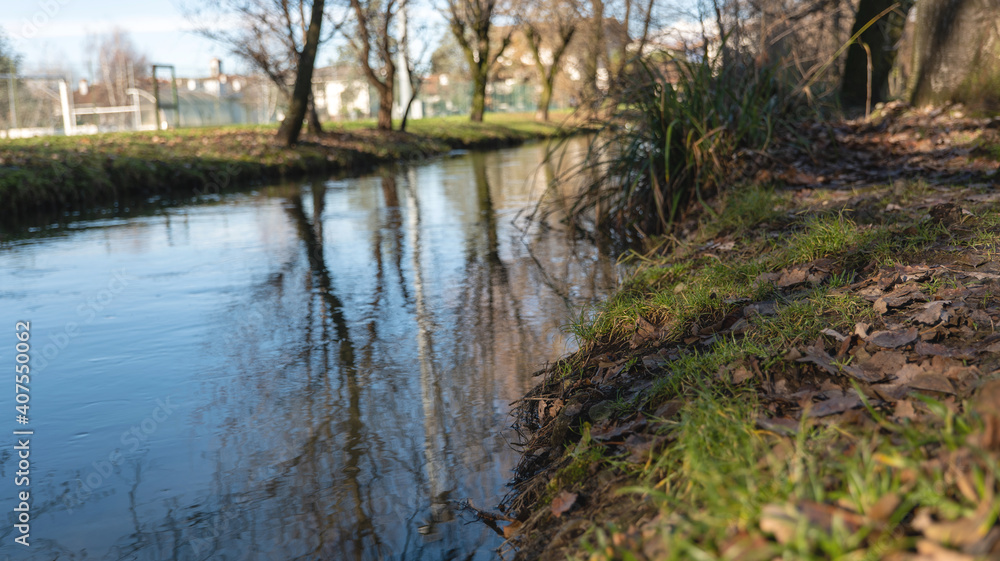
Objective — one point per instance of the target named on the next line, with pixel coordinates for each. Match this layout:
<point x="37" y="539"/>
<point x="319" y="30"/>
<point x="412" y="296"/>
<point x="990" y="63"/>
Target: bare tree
<point x="375" y="47"/>
<point x="417" y="65"/>
<point x="291" y="126"/>
<point x="471" y="22"/>
<point x="595" y="53"/>
<point x="616" y="31"/>
<point x="270" y="36"/>
<point x="119" y="63"/>
<point x="549" y="28"/>
<point x="637" y="20"/>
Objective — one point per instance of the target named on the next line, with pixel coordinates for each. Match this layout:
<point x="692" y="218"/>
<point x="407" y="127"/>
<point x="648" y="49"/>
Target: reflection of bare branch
<point x="353" y="448"/>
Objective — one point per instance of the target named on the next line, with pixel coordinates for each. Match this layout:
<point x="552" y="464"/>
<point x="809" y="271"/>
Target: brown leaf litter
<point x="931" y="333"/>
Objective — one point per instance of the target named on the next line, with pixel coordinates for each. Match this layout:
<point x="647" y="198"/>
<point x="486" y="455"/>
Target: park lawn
<point x="61" y="172"/>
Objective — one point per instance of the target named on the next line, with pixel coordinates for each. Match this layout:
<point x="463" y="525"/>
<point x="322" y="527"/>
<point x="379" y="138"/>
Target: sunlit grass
<point x="725" y="483"/>
<point x="66" y="171"/>
<point x="724" y="480"/>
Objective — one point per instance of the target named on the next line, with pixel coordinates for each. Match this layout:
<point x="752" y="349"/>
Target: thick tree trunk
<point x="384" y="107"/>
<point x="312" y="118"/>
<point x="957" y="57"/>
<point x="881" y="39"/>
<point x="544" y="100"/>
<point x="288" y="133"/>
<point x="478" y="97"/>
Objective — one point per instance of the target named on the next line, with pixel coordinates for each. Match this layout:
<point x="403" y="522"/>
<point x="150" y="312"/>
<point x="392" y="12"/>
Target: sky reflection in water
<point x="304" y="372"/>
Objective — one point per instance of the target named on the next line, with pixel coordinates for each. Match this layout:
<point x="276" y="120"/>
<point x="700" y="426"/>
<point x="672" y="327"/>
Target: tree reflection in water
<point x="362" y="386"/>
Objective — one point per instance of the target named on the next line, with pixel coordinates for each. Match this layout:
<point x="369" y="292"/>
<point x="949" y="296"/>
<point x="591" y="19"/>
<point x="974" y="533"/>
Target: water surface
<point x="316" y="370"/>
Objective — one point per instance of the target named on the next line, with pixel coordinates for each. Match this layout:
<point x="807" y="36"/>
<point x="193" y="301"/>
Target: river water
<point x="316" y="370"/>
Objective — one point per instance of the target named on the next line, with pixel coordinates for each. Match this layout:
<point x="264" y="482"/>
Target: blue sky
<point x="52" y="35"/>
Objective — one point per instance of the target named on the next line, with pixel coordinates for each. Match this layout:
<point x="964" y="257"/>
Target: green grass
<point x="694" y="288"/>
<point x="724" y="480"/>
<point x="825" y="236"/>
<point x="673" y="139"/>
<point x="65" y="172"/>
<point x="744" y="208"/>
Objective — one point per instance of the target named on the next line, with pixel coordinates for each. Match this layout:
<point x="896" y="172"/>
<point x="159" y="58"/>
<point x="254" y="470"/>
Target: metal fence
<point x="33" y="105"/>
<point x="44" y="105"/>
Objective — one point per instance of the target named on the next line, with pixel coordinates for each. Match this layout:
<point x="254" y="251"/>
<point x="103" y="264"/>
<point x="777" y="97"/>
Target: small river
<point x="315" y="370"/>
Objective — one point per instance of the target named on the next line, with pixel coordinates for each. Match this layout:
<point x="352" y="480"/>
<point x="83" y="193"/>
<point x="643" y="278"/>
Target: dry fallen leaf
<point x="743" y="547"/>
<point x="835" y="405"/>
<point x="894" y="338"/>
<point x="792" y="277"/>
<point x="905" y="410"/>
<point x="780" y="425"/>
<point x="644" y="331"/>
<point x="936" y="349"/>
<point x="934" y="382"/>
<point x="640" y="446"/>
<point x="669" y="409"/>
<point x="741" y="374"/>
<point x="959" y="532"/>
<point x="818" y="356"/>
<point x="614" y="431"/>
<point x="987" y="405"/>
<point x="930" y="551"/>
<point x="835" y="335"/>
<point x="511" y="530"/>
<point x="780" y="521"/>
<point x="884" y="364"/>
<point x="933" y="313"/>
<point x="562" y="503"/>
<point x="884" y="507"/>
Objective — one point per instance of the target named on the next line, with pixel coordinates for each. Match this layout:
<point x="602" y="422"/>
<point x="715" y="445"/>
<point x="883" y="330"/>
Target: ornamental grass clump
<point x="673" y="139"/>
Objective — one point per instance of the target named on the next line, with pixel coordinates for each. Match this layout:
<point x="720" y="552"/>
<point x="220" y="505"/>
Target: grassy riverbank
<point x="813" y="374"/>
<point x="60" y="173"/>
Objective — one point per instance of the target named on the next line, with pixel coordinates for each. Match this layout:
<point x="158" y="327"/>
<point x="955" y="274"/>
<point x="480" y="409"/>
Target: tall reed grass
<point x="672" y="139"/>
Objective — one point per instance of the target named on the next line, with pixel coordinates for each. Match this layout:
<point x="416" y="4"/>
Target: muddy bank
<point x="811" y="375"/>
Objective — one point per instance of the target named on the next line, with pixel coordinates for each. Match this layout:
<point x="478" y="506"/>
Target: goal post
<point x="160" y="104"/>
<point x="36" y="104"/>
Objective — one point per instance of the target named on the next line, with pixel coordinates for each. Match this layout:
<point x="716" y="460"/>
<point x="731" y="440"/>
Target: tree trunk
<point x="478" y="97"/>
<point x="313" y="122"/>
<point x="291" y="126"/>
<point x="544" y="100"/>
<point x="956" y="56"/>
<point x="406" y="111"/>
<point x="882" y="39"/>
<point x="592" y="59"/>
<point x="384" y="107"/>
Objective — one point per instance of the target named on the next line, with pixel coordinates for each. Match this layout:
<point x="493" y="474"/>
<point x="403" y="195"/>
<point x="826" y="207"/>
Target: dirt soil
<point x="932" y="332"/>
